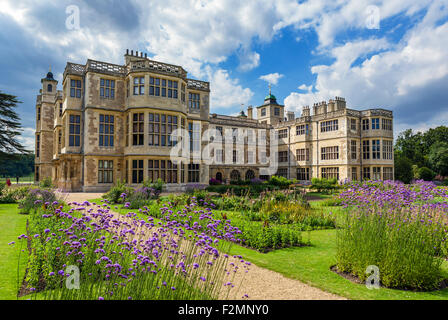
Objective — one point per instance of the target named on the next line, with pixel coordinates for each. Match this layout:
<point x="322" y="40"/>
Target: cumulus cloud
<point x="271" y="78"/>
<point x="407" y="77"/>
<point x="225" y="91"/>
<point x="27" y="138"/>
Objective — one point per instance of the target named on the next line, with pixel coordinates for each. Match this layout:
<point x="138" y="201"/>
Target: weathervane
<point x="269" y="88"/>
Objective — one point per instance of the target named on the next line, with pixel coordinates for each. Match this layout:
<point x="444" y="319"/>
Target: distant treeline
<point x="18" y="165"/>
<point x="422" y="155"/>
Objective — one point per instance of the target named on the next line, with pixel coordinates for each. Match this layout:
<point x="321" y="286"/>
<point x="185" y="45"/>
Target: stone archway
<point x="219" y="176"/>
<point x="235" y="175"/>
<point x="250" y="174"/>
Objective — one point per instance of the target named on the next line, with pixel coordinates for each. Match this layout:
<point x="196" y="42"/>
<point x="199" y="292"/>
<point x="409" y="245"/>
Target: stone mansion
<point x="112" y="122"/>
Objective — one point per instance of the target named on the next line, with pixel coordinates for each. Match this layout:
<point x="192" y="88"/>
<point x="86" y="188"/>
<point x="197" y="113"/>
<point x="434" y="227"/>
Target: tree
<point x="403" y="167"/>
<point x="438" y="157"/>
<point x="9" y="127"/>
<point x="425" y="174"/>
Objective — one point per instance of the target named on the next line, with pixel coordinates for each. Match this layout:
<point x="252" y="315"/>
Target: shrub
<point x="46" y="183"/>
<point x="402" y="243"/>
<point x="157" y="185"/>
<point x="36" y="198"/>
<point x="141" y="197"/>
<point x="324" y="185"/>
<point x="13" y="195"/>
<point x="214" y="182"/>
<point x="118" y="192"/>
<point x="279" y="181"/>
<point x="425" y="174"/>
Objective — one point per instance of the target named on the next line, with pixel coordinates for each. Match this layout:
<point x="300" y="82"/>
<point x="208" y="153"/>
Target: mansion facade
<point x="112" y="122"/>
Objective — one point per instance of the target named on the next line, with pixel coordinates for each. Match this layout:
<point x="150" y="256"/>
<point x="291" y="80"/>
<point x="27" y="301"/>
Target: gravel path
<point x="258" y="283"/>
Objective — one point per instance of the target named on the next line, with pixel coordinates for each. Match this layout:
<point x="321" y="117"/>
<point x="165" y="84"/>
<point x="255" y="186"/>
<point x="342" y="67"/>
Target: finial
<point x="49" y="68"/>
<point x="269" y="88"/>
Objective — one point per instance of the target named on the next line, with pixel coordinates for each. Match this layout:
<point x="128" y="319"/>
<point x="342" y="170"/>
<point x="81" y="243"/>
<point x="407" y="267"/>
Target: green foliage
<point x="46" y="183"/>
<point x="157" y="185"/>
<point x="114" y="195"/>
<point x="426" y="174"/>
<point x="418" y="149"/>
<point x="438" y="158"/>
<point x="324" y="185"/>
<point x="279" y="181"/>
<point x="405" y="248"/>
<point x="18" y="166"/>
<point x="35" y="199"/>
<point x="9" y="127"/>
<point x="14" y="195"/>
<point x="403" y="168"/>
<point x="267" y="237"/>
<point x="253" y="190"/>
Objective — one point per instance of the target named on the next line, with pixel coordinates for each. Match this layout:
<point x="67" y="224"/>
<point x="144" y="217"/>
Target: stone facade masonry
<point x="71" y="145"/>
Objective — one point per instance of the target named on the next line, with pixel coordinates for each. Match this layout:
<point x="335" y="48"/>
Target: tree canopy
<point x="10" y="127"/>
<point x="427" y="149"/>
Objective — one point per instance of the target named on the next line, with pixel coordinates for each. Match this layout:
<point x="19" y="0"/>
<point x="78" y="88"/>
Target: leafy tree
<point x="438" y="157"/>
<point x="425" y="174"/>
<point x="9" y="127"/>
<point x="403" y="167"/>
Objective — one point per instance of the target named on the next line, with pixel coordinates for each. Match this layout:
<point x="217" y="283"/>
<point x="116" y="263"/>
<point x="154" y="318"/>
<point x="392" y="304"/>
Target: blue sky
<point x="390" y="54"/>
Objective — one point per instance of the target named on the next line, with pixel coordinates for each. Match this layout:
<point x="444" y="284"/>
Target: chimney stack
<point x="250" y="112"/>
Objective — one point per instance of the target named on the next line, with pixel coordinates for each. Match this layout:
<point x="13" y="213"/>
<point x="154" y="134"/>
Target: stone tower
<point x="44" y="127"/>
<point x="270" y="111"/>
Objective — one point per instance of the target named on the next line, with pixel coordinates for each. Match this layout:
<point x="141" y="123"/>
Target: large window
<point x="302" y="129"/>
<point x="353" y="149"/>
<point x="386" y="124"/>
<point x="194" y="131"/>
<point x="283" y="156"/>
<point x="105" y="171"/>
<point x="366" y="149"/>
<point x="366" y="173"/>
<point x="283" y="133"/>
<point x="331" y="125"/>
<point x="193" y="172"/>
<point x="376" y="149"/>
<point x="37" y="145"/>
<point x="160" y="127"/>
<point x="375" y="123"/>
<point x="163" y="169"/>
<point x="330" y="173"/>
<point x="137" y="129"/>
<point x="139" y="86"/>
<point x="137" y="171"/>
<point x="388" y="173"/>
<point x="353" y="124"/>
<point x="107" y="88"/>
<point x="376" y="173"/>
<point x="75" y="88"/>
<point x="365" y="124"/>
<point x="74" y="137"/>
<point x="354" y="173"/>
<point x="163" y="88"/>
<point x="263" y="112"/>
<point x="329" y="153"/>
<point x="303" y="154"/>
<point x="276" y="111"/>
<point x="194" y="100"/>
<point x="303" y="174"/>
<point x="387" y="150"/>
<point x="106" y="130"/>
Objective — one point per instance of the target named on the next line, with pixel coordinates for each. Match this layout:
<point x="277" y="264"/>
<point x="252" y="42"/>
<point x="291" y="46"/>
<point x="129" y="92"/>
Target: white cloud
<point x="402" y="77"/>
<point x="271" y="78"/>
<point x="225" y="91"/>
<point x="249" y="61"/>
<point x="27" y="138"/>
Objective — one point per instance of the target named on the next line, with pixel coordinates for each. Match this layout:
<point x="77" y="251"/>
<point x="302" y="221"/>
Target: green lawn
<point x="12" y="225"/>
